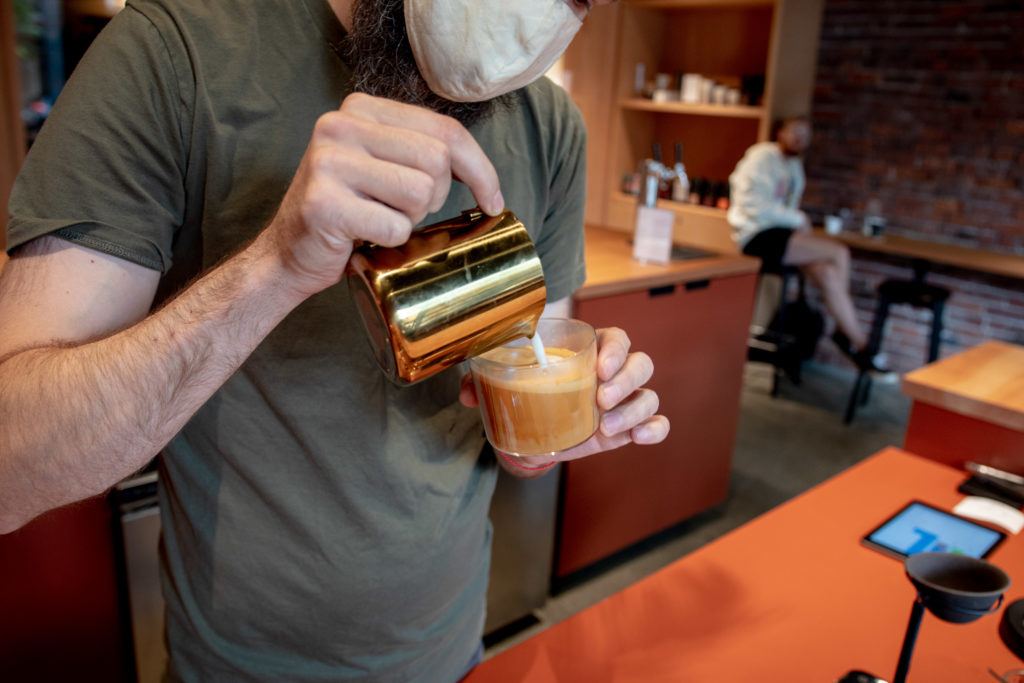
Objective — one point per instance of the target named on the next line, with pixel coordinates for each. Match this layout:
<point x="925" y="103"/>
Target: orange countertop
<point x="981" y="260"/>
<point x="612" y="270"/>
<point x="789" y="596"/>
<point x="985" y="382"/>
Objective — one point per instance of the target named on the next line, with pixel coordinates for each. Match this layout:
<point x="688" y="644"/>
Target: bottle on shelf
<point x="722" y="196"/>
<point x="697" y="190"/>
<point x="631" y="183"/>
<point x="680" y="183"/>
<point x="710" y="193"/>
<point x="639" y="79"/>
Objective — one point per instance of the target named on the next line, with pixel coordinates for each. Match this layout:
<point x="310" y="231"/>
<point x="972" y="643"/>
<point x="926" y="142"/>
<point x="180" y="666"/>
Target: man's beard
<point x="377" y="49"/>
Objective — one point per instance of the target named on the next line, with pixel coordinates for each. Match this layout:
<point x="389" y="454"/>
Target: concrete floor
<point x="784" y="446"/>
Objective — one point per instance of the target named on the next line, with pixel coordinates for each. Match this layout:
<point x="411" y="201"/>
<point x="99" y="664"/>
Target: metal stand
<point x="909" y="640"/>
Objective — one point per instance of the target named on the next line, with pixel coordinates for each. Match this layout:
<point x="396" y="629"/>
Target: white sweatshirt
<point x="764" y="192"/>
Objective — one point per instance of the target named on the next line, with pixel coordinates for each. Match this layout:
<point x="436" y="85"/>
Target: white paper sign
<point x="652" y="238"/>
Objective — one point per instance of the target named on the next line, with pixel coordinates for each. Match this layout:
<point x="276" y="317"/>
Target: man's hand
<point x="628" y="410"/>
<point x="373" y="170"/>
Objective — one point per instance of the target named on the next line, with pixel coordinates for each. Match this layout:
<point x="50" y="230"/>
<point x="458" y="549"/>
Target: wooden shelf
<point x="717" y="38"/>
<point x="740" y="111"/>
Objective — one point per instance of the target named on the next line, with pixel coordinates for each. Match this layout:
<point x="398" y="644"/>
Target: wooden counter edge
<point x="966" y="406"/>
<point x="626" y="275"/>
<point x="975" y="259"/>
<point x="919" y="385"/>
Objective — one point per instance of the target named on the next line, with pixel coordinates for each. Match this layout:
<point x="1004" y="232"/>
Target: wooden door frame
<point x="12" y="130"/>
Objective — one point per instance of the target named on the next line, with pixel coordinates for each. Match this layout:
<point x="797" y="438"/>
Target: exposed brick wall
<point x="919" y="104"/>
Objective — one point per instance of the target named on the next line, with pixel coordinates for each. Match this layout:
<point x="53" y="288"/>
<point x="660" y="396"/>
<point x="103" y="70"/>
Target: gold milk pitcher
<point x="456" y="289"/>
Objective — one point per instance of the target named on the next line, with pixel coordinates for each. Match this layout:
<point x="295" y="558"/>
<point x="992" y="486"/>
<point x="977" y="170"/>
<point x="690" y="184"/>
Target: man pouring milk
<point x="184" y="219"/>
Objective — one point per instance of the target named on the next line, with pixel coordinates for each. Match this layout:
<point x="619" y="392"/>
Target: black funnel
<point x="956" y="588"/>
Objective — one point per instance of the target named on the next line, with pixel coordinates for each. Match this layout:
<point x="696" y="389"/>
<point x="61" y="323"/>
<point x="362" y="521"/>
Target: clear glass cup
<point x="529" y="408"/>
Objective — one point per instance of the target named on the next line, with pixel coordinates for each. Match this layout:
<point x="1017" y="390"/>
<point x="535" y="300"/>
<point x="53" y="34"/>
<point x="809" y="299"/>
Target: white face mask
<point x="473" y="50"/>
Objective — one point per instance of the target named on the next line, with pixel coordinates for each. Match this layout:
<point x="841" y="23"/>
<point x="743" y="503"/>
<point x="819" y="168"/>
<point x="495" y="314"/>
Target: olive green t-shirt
<point x="320" y="523"/>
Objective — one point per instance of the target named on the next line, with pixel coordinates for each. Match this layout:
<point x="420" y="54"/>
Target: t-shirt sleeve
<point x="107" y="169"/>
<point x="560" y="245"/>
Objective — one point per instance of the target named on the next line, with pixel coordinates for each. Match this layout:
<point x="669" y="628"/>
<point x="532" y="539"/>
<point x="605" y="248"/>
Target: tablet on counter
<point x="919" y="527"/>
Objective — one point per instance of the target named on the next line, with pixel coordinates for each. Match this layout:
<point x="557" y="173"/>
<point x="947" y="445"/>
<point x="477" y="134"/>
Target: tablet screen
<point x="919" y="528"/>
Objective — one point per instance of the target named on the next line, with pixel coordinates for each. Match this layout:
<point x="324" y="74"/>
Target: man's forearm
<point x="76" y="419"/>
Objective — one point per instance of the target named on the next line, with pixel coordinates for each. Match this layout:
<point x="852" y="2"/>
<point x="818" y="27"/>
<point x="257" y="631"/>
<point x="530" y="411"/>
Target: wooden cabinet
<point x="59" y="603"/>
<point x="725" y="40"/>
<point x="695" y="331"/>
<point x="969" y="407"/>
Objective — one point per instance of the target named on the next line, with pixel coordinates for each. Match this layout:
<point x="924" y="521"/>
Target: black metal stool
<point x="916" y="293"/>
<point x="772" y="345"/>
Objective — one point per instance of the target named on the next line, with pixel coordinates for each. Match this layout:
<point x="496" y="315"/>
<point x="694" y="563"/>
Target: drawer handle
<point x="697" y="284"/>
<point x="661" y="291"/>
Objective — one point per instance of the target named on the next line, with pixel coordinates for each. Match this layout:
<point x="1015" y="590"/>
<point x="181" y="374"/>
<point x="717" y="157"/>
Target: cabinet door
<point x="522" y="547"/>
<point x="59" y="618"/>
<point x="696" y="335"/>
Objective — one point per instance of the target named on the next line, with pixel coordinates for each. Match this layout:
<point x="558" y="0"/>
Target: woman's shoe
<point x="870" y="362"/>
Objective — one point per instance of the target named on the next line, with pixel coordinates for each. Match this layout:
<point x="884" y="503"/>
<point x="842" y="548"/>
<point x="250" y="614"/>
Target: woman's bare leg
<point x="827" y="263"/>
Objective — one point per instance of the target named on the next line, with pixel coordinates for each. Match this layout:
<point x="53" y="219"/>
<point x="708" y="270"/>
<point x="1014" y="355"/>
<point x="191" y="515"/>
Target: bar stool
<point x="916" y="293"/>
<point x="774" y="346"/>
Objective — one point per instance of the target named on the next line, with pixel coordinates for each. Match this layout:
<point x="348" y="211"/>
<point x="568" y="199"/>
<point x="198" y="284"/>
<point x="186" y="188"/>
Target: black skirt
<point x="769" y="245"/>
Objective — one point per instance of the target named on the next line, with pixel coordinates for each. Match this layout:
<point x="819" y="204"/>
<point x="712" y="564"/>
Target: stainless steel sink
<point x="683" y="253"/>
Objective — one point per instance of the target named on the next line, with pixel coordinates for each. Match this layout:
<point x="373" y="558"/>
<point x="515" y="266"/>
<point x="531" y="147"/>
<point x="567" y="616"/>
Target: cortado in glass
<point x="534" y="408"/>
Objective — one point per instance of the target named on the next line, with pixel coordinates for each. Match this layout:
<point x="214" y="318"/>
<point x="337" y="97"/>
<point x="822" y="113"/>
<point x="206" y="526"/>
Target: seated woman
<point x="765" y="191"/>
